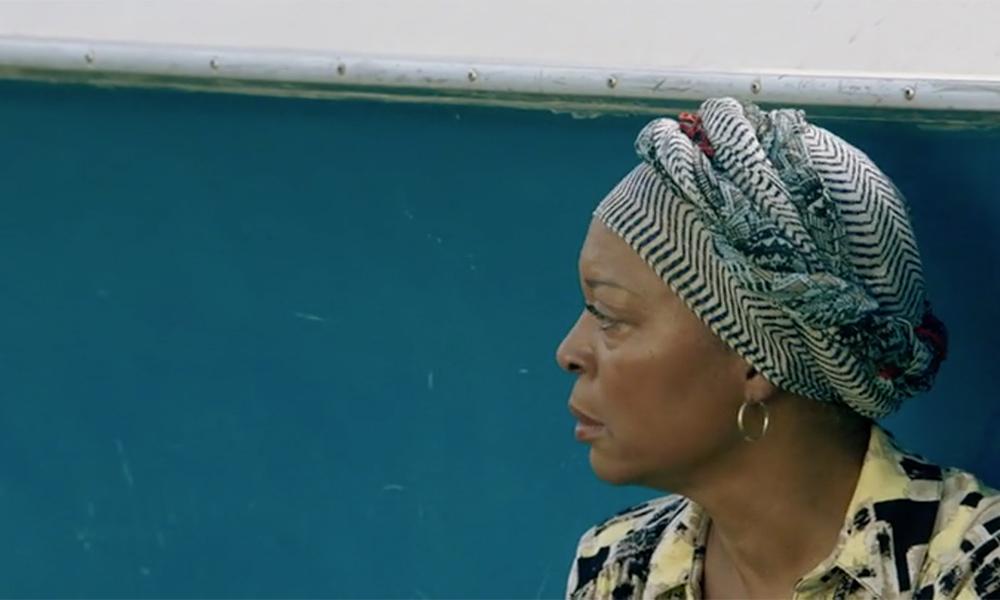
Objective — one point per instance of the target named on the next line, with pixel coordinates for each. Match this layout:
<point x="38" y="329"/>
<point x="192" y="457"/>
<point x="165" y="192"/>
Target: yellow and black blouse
<point x="912" y="530"/>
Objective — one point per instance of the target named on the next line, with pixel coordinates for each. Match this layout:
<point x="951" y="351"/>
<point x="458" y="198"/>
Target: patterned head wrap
<point x="791" y="245"/>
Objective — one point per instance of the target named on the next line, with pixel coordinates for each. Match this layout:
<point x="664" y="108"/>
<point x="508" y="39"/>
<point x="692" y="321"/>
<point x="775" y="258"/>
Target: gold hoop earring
<point x="742" y="426"/>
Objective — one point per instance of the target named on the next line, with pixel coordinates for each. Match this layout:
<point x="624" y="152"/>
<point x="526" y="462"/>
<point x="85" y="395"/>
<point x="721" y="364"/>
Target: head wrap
<point x="791" y="245"/>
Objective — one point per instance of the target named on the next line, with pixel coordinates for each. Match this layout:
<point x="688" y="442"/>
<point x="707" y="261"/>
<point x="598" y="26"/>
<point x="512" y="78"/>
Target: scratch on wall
<point x="310" y="317"/>
<point x="126" y="471"/>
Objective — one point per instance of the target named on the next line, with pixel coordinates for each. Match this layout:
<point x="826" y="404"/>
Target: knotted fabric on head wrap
<point x="791" y="245"/>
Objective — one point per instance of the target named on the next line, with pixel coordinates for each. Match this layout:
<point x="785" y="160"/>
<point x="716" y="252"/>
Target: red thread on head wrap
<point x="890" y="372"/>
<point x="932" y="332"/>
<point x="692" y="127"/>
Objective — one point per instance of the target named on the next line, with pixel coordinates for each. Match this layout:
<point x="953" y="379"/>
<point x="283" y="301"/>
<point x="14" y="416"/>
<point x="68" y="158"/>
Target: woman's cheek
<point x="627" y="387"/>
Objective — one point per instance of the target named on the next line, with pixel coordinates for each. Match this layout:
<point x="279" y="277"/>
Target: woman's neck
<point x="776" y="506"/>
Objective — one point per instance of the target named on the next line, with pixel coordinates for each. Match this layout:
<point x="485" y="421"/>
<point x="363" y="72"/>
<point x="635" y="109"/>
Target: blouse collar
<point x="893" y="508"/>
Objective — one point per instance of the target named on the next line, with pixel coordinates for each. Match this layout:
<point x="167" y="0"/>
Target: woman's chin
<point x="612" y="471"/>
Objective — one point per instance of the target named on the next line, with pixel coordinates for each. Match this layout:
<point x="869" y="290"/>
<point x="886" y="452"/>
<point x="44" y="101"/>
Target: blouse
<point x="912" y="530"/>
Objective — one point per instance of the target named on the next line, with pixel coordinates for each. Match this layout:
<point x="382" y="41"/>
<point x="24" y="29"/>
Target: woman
<point x="793" y="315"/>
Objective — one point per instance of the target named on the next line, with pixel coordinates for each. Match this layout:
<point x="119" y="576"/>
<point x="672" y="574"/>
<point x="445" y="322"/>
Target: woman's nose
<point x="571" y="352"/>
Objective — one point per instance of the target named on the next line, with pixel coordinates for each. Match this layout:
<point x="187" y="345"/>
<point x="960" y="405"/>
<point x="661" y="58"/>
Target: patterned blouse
<point x="913" y="530"/>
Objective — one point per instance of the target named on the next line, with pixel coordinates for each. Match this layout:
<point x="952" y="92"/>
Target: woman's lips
<point x="587" y="428"/>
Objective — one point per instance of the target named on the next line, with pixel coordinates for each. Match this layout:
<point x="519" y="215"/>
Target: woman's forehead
<point x="607" y="258"/>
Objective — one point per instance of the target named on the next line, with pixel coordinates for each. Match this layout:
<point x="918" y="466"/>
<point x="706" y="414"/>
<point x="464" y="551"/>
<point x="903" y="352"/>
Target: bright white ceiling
<point x="894" y="38"/>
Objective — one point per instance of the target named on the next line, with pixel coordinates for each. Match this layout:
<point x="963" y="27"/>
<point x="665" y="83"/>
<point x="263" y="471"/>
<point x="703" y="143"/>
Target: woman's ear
<point x="758" y="388"/>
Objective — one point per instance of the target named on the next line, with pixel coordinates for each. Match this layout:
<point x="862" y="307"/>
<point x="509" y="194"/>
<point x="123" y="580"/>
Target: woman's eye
<point x="605" y="321"/>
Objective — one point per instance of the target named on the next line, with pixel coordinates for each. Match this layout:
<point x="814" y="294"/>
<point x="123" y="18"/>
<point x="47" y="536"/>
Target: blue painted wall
<point x="274" y="348"/>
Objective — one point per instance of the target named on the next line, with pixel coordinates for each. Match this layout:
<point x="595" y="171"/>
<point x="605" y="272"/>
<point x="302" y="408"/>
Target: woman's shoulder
<point x="622" y="545"/>
<point x="967" y="488"/>
<point x="969" y="508"/>
<point x="631" y="519"/>
<point x="964" y="553"/>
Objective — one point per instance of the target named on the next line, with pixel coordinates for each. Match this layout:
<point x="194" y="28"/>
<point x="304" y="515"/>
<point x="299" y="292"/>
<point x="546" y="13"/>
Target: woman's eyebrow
<point x="595" y="283"/>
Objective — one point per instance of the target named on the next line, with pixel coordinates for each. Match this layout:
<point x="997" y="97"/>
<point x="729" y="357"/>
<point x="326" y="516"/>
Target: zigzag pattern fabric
<point x="791" y="245"/>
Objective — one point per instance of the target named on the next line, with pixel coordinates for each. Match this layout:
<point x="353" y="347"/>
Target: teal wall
<point x="286" y="348"/>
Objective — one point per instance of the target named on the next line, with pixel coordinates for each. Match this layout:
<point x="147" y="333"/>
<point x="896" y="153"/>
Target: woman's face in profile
<point x="657" y="392"/>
